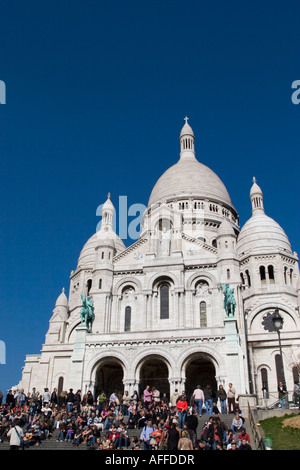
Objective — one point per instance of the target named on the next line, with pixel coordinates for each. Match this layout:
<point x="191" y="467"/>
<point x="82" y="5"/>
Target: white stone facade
<point x="159" y="306"/>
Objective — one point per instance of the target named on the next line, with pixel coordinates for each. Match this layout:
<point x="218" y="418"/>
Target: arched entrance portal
<point x="200" y="370"/>
<point x="109" y="377"/>
<point x="154" y="372"/>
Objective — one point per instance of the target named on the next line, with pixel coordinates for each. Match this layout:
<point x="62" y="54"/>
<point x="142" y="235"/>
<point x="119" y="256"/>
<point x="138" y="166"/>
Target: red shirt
<point x="182" y="405"/>
<point x="244" y="436"/>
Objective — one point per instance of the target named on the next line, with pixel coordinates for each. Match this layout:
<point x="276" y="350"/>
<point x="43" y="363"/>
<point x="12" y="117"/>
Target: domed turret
<point x="187" y="141"/>
<point x="261" y="233"/>
<point x="106" y="236"/>
<point x="225" y="229"/>
<point x="62" y="300"/>
<point x="188" y="177"/>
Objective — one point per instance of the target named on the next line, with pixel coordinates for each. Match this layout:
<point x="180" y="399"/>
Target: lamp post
<point x="278" y="324"/>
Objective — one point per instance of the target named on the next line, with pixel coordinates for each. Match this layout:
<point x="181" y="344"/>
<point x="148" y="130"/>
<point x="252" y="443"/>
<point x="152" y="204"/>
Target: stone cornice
<point x="152" y="342"/>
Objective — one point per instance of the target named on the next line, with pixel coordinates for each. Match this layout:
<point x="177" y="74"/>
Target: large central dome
<point x="188" y="177"/>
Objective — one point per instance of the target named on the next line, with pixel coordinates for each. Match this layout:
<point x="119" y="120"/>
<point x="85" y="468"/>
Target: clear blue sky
<point x="96" y="96"/>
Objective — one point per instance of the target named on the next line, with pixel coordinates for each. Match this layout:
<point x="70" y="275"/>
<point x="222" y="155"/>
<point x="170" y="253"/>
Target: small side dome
<point x="104" y="237"/>
<point x="87" y="257"/>
<point x="62" y="300"/>
<point x="225" y="229"/>
<point x="261" y="233"/>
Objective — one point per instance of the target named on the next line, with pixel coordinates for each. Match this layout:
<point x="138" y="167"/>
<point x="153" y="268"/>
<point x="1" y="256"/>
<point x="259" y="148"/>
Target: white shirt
<point x="198" y="394"/>
<point x="14" y="438"/>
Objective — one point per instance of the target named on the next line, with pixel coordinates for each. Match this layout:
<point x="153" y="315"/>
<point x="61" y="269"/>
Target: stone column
<point x="176" y="309"/>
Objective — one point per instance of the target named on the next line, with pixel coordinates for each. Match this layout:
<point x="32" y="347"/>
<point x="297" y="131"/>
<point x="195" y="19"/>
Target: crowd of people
<point x="152" y="421"/>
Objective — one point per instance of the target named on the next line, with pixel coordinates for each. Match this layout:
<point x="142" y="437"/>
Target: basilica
<point x="192" y="301"/>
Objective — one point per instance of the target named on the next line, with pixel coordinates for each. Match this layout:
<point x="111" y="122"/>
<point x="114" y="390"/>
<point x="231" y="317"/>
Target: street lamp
<point x="278" y="324"/>
<point x="277" y="320"/>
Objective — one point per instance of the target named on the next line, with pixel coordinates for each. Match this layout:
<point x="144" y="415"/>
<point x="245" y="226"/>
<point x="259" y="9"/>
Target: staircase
<point x="52" y="444"/>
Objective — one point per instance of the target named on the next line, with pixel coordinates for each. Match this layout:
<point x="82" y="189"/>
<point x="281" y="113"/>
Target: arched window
<point x="228" y="273"/>
<point x="214" y="243"/>
<point x="262" y="272"/>
<point x="242" y="279"/>
<point x="203" y="315"/>
<point x="127" y="324"/>
<point x="60" y="385"/>
<point x="164" y="301"/>
<point x="89" y="285"/>
<point x="248" y="278"/>
<point x="285" y="275"/>
<point x="264" y="382"/>
<point x="271" y="273"/>
<point x="291" y="277"/>
<point x="100" y="283"/>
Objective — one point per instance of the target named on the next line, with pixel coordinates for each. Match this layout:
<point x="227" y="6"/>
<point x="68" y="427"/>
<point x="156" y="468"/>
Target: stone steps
<point x="52" y="444"/>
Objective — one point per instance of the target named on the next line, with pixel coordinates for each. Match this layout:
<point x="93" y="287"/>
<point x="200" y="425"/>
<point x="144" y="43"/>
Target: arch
<point x="271" y="273"/>
<point x="201" y="282"/>
<point x="291" y="276"/>
<point x="161" y="212"/>
<point x="60" y="385"/>
<point x="72" y="327"/>
<point x="103" y="357"/>
<point x="285" y="274"/>
<point x="207" y="351"/>
<point x="129" y="281"/>
<point x="248" y="277"/>
<point x="164" y="275"/>
<point x="264" y="378"/>
<point x="89" y="283"/>
<point x="154" y="371"/>
<point x="159" y="353"/>
<point x="199" y="368"/>
<point x="262" y="273"/>
<point x="204" y="276"/>
<point x="164" y="222"/>
<point x="109" y="376"/>
<point x="269" y="307"/>
<point x="109" y="360"/>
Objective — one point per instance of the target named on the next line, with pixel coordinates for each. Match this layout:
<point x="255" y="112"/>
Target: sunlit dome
<point x="188" y="177"/>
<point x="261" y="232"/>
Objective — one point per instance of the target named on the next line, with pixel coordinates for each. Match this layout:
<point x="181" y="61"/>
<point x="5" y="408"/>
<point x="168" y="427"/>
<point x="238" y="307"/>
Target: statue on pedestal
<point x="229" y="300"/>
<point x="87" y="311"/>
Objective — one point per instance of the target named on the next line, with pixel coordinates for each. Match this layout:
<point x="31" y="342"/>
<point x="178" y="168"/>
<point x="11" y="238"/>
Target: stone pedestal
<point x="234" y="356"/>
<point x="77" y="359"/>
<point x="245" y="400"/>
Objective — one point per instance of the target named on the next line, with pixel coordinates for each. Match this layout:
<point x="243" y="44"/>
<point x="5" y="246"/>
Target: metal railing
<point x="271" y="401"/>
<point x="258" y="439"/>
